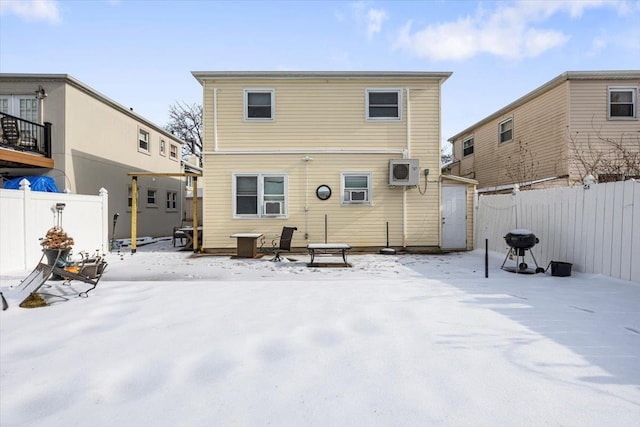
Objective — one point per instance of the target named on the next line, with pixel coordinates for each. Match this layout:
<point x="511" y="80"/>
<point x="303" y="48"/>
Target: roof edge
<point x="67" y="78"/>
<point x="551" y="84"/>
<point x="220" y="75"/>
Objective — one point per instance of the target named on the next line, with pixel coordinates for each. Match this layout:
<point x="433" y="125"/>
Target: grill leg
<point x="505" y="259"/>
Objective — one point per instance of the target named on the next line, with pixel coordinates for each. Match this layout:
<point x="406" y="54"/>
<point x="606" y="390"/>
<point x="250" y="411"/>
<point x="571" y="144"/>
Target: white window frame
<point x="171" y="203"/>
<point x="465" y="141"/>
<point x="171" y="150"/>
<point x="634" y="101"/>
<point x="13" y="106"/>
<point x="130" y="198"/>
<point x="500" y="131"/>
<point x="271" y="92"/>
<point x="154" y="203"/>
<point x="343" y="189"/>
<point x="383" y="90"/>
<point x="146" y="150"/>
<point x="163" y="147"/>
<point x="261" y="211"/>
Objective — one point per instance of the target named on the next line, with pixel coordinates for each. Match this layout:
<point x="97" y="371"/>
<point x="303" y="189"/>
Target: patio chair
<point x="10" y="130"/>
<point x="178" y="234"/>
<point x="284" y="244"/>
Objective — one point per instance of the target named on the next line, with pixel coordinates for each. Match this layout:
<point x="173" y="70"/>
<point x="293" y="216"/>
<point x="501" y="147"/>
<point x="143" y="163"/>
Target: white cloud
<point x="511" y="31"/>
<point x="368" y="18"/>
<point x="375" y="17"/>
<point x="32" y="10"/>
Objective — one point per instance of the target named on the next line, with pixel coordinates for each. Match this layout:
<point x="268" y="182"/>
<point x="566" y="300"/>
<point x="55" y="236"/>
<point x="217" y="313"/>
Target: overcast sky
<point x="141" y="53"/>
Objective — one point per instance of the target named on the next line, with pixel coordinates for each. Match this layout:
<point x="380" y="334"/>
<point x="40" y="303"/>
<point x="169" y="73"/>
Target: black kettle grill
<point x="520" y="241"/>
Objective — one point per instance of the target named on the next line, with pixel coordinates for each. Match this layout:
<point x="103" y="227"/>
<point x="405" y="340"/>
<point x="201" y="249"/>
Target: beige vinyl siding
<point x="539" y="124"/>
<point x="470" y="215"/>
<point x="358" y="225"/>
<point x="423" y="211"/>
<point x="309" y="113"/>
<point x="589" y="104"/>
<point x="327" y="117"/>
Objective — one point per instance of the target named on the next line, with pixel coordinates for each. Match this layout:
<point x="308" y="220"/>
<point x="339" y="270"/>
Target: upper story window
<point x="23" y="106"/>
<point x="623" y="102"/>
<point x="505" y="129"/>
<point x="260" y="195"/>
<point x="163" y="147"/>
<point x="356" y="188"/>
<point x="384" y="104"/>
<point x="173" y="152"/>
<point x="259" y="104"/>
<point x="467" y="147"/>
<point x="143" y="140"/>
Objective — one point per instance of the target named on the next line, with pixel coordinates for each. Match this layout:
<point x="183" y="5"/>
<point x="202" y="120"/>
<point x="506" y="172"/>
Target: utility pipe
<point x="332" y="151"/>
<point x="407" y="154"/>
<point x="134" y="213"/>
<point x="215" y="119"/>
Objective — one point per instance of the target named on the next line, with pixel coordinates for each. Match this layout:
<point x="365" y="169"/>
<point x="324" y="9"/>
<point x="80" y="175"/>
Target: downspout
<point x="306" y="160"/>
<point x="134" y="214"/>
<point x="406" y="154"/>
<point x="215" y="119"/>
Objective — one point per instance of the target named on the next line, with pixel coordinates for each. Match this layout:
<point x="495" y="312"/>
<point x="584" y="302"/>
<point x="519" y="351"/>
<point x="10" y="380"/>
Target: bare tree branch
<point x="606" y="158"/>
<point x="521" y="167"/>
<point x="185" y="122"/>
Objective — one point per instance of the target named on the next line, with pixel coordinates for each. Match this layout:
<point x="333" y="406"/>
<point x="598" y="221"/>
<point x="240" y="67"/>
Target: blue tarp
<point x="38" y="183"/>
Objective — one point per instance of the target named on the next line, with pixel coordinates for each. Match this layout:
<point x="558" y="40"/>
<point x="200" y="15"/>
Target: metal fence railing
<point x="23" y="135"/>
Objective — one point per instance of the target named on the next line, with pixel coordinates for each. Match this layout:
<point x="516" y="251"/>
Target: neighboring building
<point x="577" y="124"/>
<point x="318" y="150"/>
<point x="86" y="141"/>
<point x="192" y="165"/>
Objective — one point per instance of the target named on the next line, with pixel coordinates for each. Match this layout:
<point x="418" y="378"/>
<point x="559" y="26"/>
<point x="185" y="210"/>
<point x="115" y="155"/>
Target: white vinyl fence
<point x="596" y="229"/>
<point x="25" y="217"/>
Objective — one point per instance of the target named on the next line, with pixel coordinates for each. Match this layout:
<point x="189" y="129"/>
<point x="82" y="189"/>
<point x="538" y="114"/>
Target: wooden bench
<point x="342" y="247"/>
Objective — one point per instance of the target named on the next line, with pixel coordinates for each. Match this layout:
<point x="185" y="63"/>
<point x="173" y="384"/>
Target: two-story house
<point x="580" y="124"/>
<point x="57" y="126"/>
<point x="339" y="155"/>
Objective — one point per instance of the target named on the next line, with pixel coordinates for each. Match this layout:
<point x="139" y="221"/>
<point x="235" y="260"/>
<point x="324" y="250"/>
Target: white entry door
<point x="454" y="217"/>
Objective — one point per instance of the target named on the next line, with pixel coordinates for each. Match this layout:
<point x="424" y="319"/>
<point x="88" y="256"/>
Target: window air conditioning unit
<point x="273" y="208"/>
<point x="357" y="196"/>
<point x="404" y="172"/>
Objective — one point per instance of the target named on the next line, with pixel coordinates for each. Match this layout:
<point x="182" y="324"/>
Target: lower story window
<point x="152" y="196"/>
<point x="172" y="198"/>
<point x="356" y="188"/>
<point x="260" y="195"/>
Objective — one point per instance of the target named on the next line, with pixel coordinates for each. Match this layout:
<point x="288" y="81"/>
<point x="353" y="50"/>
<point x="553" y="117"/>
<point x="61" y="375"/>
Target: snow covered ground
<point x="408" y="340"/>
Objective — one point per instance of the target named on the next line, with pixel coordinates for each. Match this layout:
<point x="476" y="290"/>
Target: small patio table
<point x="247" y="244"/>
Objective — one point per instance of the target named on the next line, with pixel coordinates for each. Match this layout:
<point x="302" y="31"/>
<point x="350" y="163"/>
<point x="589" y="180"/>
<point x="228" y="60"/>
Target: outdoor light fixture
<point x="588" y="180"/>
<point x="40" y="93"/>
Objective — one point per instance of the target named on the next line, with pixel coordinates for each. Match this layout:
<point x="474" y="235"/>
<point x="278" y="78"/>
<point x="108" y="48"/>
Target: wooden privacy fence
<point x="596" y="229"/>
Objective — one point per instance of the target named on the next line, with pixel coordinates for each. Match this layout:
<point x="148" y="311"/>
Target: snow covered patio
<point x="167" y="339"/>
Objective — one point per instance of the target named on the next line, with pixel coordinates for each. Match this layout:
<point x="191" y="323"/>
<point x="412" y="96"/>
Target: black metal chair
<point x="178" y="234"/>
<point x="10" y="130"/>
<point x="284" y="244"/>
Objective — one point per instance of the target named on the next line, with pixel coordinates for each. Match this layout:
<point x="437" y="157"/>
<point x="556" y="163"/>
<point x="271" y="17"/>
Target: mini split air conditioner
<point x="404" y="172"/>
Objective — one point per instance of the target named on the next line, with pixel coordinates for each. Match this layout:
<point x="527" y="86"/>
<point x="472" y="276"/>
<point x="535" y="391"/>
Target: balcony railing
<point x="23" y="135"/>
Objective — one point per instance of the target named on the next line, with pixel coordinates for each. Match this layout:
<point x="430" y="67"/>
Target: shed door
<point x="454" y="217"/>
